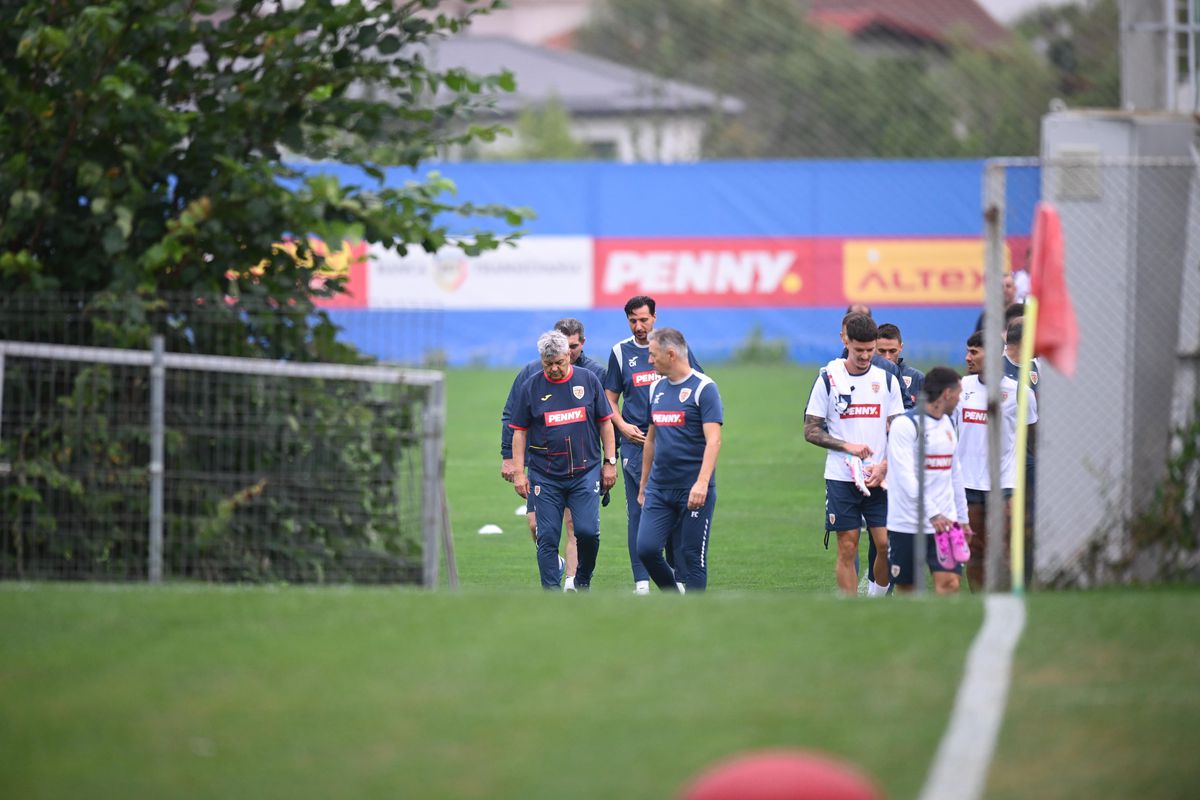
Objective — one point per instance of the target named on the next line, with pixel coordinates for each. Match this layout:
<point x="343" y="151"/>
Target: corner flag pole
<point x="1017" y="545"/>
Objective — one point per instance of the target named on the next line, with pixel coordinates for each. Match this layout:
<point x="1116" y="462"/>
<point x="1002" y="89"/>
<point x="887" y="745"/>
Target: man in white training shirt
<point x="945" y="501"/>
<point x="849" y="409"/>
<point x="972" y="418"/>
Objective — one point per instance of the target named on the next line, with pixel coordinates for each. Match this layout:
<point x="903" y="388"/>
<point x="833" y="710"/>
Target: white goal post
<point x="427" y="429"/>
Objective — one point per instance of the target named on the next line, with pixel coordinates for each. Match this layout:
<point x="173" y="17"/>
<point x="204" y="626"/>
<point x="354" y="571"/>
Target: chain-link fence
<point x="1114" y="491"/>
<point x="199" y="461"/>
<point x="409" y="335"/>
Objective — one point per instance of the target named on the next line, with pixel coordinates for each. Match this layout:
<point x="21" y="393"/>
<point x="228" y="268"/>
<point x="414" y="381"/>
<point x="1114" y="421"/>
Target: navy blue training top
<point x="630" y="374"/>
<point x="678" y="412"/>
<point x="563" y="419"/>
<point x="528" y="371"/>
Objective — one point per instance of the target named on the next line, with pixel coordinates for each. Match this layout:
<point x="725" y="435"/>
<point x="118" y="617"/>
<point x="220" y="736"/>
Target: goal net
<point x="119" y="464"/>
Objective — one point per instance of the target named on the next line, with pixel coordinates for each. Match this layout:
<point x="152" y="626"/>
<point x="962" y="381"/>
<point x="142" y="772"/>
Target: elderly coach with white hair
<point x="564" y="417"/>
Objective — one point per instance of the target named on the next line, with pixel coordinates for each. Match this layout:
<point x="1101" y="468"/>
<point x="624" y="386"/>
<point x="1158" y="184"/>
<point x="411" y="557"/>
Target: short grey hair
<point x="552" y="344"/>
<point x="670" y="339"/>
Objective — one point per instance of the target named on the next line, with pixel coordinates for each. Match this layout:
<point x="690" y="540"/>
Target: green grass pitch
<point x="502" y="691"/>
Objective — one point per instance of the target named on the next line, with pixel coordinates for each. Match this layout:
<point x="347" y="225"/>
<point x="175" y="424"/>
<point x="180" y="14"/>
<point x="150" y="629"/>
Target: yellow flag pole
<point x="1017" y="543"/>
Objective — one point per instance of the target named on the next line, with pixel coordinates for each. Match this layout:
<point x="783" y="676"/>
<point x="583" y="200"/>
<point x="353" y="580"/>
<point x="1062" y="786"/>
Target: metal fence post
<point x="158" y="374"/>
<point x="919" y="544"/>
<point x="5" y="467"/>
<point x="431" y="492"/>
<point x="993" y="365"/>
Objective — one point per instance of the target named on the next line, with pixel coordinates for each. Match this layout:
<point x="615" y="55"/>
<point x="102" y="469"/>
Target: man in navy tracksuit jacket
<point x="562" y="420"/>
<point x="573" y="330"/>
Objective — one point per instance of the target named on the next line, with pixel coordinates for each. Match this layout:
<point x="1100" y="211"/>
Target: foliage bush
<point x="266" y="478"/>
<point x="148" y="186"/>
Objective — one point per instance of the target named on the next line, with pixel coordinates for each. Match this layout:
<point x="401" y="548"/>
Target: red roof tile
<point x="926" y="19"/>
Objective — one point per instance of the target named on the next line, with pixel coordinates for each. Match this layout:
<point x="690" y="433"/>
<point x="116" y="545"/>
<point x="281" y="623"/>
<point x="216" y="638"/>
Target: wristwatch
<point x="611" y="460"/>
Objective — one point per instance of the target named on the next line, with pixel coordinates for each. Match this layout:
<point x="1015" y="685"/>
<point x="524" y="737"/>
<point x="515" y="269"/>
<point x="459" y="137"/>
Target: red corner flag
<point x="1057" y="334"/>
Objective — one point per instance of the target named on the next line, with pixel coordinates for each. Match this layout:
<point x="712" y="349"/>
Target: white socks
<point x="875" y="590"/>
<point x="569" y="583"/>
<point x="643" y="587"/>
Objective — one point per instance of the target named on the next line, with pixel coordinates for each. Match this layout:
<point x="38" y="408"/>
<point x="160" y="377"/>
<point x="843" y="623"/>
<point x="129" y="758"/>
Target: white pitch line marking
<point x="960" y="768"/>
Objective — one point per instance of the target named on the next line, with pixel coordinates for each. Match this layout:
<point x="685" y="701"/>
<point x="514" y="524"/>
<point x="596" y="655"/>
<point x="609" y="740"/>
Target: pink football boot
<point x="958" y="544"/>
<point x="941" y="546"/>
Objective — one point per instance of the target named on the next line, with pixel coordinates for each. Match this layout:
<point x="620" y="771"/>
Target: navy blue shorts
<point x="901" y="555"/>
<point x="846" y="508"/>
<point x="978" y="497"/>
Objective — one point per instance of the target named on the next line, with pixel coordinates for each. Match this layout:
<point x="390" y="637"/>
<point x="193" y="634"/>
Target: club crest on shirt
<point x="577" y="391"/>
<point x="537" y="490"/>
<point x="875" y="388"/>
<point x="908" y="381"/>
<point x="1033" y="378"/>
<point x="1004" y="396"/>
<point x="842" y="403"/>
<point x="684" y="394"/>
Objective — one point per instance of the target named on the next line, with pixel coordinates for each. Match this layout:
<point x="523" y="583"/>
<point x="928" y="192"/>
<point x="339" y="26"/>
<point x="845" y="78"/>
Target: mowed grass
<point x="502" y="691"/>
<point x="1105" y="698"/>
<point x="309" y="693"/>
<point x="312" y="693"/>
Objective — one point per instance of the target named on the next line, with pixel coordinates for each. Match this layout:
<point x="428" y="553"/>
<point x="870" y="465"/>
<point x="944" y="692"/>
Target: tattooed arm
<point x="814" y="432"/>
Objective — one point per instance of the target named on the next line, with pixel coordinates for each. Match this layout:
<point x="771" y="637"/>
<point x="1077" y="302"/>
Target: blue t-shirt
<point x="678" y="412"/>
<point x="630" y="374"/>
<point x="527" y="372"/>
<point x="563" y="419"/>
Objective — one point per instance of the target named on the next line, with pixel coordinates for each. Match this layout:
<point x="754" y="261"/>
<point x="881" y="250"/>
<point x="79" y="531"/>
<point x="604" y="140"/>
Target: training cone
<point x="782" y="775"/>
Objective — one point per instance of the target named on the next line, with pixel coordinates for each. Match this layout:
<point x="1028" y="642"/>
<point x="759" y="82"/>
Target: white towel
<point x="857" y="474"/>
<point x="839" y="377"/>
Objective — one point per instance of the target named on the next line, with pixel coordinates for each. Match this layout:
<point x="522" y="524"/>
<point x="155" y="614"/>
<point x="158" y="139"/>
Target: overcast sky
<point x="1005" y="11"/>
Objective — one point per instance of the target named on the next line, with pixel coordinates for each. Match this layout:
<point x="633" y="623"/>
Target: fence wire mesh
<point x="1114" y="491"/>
<point x="218" y="324"/>
<point x="273" y="470"/>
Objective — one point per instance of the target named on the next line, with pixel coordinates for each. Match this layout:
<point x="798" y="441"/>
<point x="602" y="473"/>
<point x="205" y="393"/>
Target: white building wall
<point x="530" y="21"/>
<point x="626" y="139"/>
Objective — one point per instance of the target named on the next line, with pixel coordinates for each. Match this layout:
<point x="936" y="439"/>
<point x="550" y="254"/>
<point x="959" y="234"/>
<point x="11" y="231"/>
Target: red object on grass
<point x="782" y="775"/>
<point x="1057" y="336"/>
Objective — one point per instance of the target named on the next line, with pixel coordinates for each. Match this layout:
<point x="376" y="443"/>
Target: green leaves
<point x="808" y="91"/>
<point x="88" y="174"/>
<point x="117" y="87"/>
<point x="24" y="202"/>
<point x="119" y="117"/>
